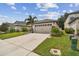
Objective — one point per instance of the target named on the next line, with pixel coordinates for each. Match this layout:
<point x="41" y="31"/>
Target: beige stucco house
<point x="44" y="26"/>
<point x="72" y="21"/>
<point x="18" y="25"/>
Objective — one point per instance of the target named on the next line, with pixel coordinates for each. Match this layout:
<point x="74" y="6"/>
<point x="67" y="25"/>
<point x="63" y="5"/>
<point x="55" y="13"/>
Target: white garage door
<point x="42" y="28"/>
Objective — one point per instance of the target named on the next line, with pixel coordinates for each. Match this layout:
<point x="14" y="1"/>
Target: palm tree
<point x="31" y="20"/>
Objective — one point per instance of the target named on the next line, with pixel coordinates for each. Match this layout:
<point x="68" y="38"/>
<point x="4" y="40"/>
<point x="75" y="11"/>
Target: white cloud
<point x="32" y="14"/>
<point x="13" y="7"/>
<point x="53" y="15"/>
<point x="6" y="19"/>
<point x="38" y="5"/>
<point x="47" y="5"/>
<point x="71" y="5"/>
<point x="76" y="4"/>
<point x="11" y="4"/>
<point x="26" y="13"/>
<point x="43" y="9"/>
<point x="70" y="10"/>
<point x="64" y="11"/>
<point x="18" y="12"/>
<point x="50" y="15"/>
<point x="24" y="8"/>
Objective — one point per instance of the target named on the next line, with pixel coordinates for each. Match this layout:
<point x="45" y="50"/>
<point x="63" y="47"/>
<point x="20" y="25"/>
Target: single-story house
<point x="28" y="27"/>
<point x="44" y="26"/>
<point x="72" y="21"/>
<point x="18" y="25"/>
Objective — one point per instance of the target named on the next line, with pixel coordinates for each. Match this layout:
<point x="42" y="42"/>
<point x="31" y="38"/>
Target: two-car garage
<point x="42" y="28"/>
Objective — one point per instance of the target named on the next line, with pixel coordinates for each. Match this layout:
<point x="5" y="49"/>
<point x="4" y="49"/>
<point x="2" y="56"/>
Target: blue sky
<point x="10" y="12"/>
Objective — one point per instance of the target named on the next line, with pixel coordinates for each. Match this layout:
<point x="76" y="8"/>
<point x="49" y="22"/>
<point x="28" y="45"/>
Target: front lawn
<point x="10" y="35"/>
<point x="62" y="43"/>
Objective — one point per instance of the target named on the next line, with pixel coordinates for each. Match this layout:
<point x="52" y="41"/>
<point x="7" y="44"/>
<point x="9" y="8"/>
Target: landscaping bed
<point x="62" y="43"/>
<point x="10" y="35"/>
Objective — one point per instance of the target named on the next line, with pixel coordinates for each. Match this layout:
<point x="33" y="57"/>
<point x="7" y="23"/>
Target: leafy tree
<point x="65" y="16"/>
<point x="31" y="20"/>
<point x="24" y="29"/>
<point x="4" y="27"/>
<point x="61" y="20"/>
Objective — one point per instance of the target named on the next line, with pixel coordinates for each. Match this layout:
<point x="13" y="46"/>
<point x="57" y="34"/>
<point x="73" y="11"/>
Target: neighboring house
<point x="18" y="25"/>
<point x="44" y="26"/>
<point x="28" y="27"/>
<point x="11" y="26"/>
<point x="72" y="21"/>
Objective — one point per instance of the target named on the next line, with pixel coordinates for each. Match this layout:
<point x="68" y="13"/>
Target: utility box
<point x="74" y="42"/>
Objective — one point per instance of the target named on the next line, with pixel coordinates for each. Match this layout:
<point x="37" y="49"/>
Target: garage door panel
<point x="42" y="29"/>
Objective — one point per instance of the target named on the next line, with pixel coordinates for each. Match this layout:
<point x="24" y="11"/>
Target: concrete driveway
<point x="22" y="45"/>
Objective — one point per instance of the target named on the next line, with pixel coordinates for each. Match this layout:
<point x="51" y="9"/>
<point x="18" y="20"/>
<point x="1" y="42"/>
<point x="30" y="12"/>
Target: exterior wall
<point x="74" y="25"/>
<point x="77" y="24"/>
<point x="43" y="27"/>
<point x="28" y="28"/>
<point x="18" y="28"/>
<point x="66" y="25"/>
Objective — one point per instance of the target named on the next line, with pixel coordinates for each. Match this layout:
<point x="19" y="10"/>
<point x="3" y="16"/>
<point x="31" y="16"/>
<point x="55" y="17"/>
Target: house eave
<point x="74" y="20"/>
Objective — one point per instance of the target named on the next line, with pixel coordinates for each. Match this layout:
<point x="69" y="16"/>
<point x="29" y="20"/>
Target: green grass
<point x="62" y="43"/>
<point x="10" y="35"/>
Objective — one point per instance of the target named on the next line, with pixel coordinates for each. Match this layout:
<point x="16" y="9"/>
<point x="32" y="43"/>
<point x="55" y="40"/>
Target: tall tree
<point x="61" y="20"/>
<point x="31" y="20"/>
<point x="4" y="27"/>
<point x="65" y="16"/>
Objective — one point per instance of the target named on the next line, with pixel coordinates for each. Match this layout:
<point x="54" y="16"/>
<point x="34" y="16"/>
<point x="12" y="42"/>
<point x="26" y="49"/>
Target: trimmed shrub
<point x="17" y="30"/>
<point x="24" y="29"/>
<point x="56" y="32"/>
<point x="12" y="30"/>
<point x="69" y="30"/>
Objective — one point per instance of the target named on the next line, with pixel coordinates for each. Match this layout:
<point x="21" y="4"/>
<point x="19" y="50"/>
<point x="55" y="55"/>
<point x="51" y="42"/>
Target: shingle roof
<point x="20" y="23"/>
<point x="10" y="24"/>
<point x="46" y="21"/>
<point x="76" y="12"/>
